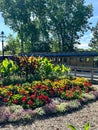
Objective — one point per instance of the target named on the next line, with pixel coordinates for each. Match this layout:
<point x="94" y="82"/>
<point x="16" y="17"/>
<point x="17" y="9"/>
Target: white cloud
<point x="85" y="40"/>
<point x="83" y="46"/>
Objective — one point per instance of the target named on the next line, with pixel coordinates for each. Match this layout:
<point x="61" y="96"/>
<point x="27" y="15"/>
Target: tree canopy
<point x="42" y="22"/>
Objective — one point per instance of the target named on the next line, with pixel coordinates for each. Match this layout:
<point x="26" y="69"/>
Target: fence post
<point x="92" y="73"/>
<point x="75" y="71"/>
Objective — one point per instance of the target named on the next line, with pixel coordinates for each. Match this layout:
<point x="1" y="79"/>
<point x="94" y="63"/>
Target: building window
<point x="87" y="59"/>
<point x="81" y="59"/>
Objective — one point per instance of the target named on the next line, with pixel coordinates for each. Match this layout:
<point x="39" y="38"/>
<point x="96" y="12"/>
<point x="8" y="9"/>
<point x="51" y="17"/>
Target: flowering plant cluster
<point x="40" y="93"/>
<point x="28" y="97"/>
<point x="24" y="68"/>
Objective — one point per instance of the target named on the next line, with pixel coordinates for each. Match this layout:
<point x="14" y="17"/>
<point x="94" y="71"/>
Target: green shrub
<point x="8" y="67"/>
<point x="47" y="70"/>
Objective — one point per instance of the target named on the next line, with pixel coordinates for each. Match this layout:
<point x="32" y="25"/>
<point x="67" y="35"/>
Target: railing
<point x="87" y="72"/>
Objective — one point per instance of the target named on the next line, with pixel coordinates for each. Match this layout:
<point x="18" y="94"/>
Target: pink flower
<point x="1" y="97"/>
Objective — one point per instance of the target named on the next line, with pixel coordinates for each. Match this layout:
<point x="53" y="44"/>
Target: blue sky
<point x="88" y="35"/>
<point x="84" y="40"/>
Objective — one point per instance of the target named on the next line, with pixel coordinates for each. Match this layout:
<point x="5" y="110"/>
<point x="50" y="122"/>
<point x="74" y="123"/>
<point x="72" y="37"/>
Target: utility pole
<point x="2" y="40"/>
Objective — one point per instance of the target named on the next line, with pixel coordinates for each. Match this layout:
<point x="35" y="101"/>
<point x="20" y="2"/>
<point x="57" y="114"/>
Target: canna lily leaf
<point x="5" y="63"/>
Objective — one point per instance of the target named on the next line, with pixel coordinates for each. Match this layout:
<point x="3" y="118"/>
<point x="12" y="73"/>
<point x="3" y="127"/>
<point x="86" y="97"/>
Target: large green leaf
<point x="5" y="63"/>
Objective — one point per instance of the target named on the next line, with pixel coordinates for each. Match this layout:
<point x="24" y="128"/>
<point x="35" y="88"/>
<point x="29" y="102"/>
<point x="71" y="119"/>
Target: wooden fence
<point x="87" y="72"/>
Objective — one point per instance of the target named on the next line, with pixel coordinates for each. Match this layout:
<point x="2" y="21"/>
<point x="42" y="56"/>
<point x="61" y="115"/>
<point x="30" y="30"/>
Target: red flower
<point x="24" y="99"/>
<point x="43" y="87"/>
<point x="78" y="88"/>
<point x="56" y="80"/>
<point x="90" y="84"/>
<point x="66" y="86"/>
<point x="33" y="96"/>
<point x="27" y="95"/>
<point x="86" y="90"/>
<point x="15" y="101"/>
<point x="80" y="92"/>
<point x="6" y="99"/>
<point x="61" y="90"/>
<point x="17" y="84"/>
<point x="87" y="84"/>
<point x="69" y="94"/>
<point x="67" y="91"/>
<point x="37" y="86"/>
<point x="22" y="91"/>
<point x="47" y="100"/>
<point x="51" y="92"/>
<point x="30" y="103"/>
<point x="73" y="89"/>
<point x="44" y="98"/>
<point x="41" y="97"/>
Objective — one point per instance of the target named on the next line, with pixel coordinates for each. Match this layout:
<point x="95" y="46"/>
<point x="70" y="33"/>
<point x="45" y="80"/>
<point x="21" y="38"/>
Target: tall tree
<point x="94" y="41"/>
<point x="12" y="46"/>
<point x="69" y="20"/>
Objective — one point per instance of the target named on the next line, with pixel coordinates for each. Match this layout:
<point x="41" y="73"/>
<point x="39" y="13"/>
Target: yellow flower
<point x="26" y="92"/>
<point x="4" y="92"/>
<point x="0" y="88"/>
<point x="10" y="87"/>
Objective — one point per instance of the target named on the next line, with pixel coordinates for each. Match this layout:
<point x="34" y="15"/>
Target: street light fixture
<point x="2" y="40"/>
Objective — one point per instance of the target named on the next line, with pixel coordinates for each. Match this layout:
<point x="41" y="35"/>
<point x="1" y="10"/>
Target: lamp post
<point x="2" y="40"/>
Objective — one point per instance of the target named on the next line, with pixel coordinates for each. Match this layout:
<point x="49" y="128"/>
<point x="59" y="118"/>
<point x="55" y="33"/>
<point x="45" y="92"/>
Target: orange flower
<point x="69" y="94"/>
<point x="22" y="91"/>
<point x="10" y="93"/>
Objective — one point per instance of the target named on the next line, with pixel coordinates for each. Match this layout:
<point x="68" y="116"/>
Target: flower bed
<point x="44" y="97"/>
<point x="53" y="89"/>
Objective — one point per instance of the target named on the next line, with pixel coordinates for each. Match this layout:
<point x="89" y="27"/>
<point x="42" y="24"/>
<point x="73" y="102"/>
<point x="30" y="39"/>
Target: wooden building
<point x="84" y="59"/>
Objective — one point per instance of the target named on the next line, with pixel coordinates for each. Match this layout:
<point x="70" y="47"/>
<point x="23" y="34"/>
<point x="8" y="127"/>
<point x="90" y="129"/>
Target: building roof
<point x="79" y="54"/>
